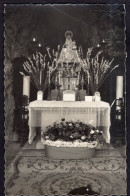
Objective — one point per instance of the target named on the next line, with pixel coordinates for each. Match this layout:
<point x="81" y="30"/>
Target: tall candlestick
<point x="119" y="87"/>
<point x="78" y="78"/>
<point x="26" y="86"/>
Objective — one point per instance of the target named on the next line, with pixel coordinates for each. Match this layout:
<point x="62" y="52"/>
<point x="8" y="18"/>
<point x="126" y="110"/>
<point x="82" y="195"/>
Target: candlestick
<point x="72" y="72"/>
<point x="78" y="94"/>
<point x="78" y="78"/>
<point x="88" y="76"/>
<point x="82" y="82"/>
<point x="119" y="91"/>
<point x="56" y="79"/>
<point x="97" y="80"/>
<point x="49" y="76"/>
<point x="119" y="87"/>
<point x="26" y="86"/>
<point x="59" y="76"/>
<point x="69" y="83"/>
<point x="59" y="93"/>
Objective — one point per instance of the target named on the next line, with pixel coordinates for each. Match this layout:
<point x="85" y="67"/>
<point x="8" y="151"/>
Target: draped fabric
<point x="44" y="113"/>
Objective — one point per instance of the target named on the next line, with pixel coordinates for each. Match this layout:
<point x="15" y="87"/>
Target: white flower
<point x="76" y="142"/>
<point x="92" y="132"/>
<point x="97" y="131"/>
<point x="83" y="137"/>
<point x="47" y="137"/>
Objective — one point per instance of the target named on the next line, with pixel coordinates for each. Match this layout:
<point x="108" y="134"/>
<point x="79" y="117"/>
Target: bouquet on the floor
<point x="68" y="133"/>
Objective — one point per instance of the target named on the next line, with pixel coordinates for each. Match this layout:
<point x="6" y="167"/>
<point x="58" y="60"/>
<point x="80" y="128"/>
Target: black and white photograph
<point x="65" y="98"/>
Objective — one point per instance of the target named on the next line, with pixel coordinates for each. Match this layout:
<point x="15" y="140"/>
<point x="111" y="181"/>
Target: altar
<point x="44" y="113"/>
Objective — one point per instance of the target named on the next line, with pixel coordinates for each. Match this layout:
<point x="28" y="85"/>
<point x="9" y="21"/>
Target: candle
<point x="26" y="85"/>
<point x="40" y="77"/>
<point x="119" y="87"/>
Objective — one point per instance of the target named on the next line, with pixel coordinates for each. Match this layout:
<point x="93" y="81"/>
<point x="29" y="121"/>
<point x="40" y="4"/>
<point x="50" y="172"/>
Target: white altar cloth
<point x="44" y="113"/>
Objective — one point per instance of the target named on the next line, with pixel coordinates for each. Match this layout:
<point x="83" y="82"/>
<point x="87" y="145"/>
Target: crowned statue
<point x="69" y="62"/>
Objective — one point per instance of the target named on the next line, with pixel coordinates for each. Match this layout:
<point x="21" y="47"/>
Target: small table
<point x="44" y="113"/>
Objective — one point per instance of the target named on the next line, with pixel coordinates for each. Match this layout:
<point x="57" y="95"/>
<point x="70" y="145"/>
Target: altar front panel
<point x="44" y="114"/>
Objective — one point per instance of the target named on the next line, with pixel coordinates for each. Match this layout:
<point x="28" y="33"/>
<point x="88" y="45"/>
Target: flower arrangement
<point x="96" y="68"/>
<point x="71" y="133"/>
<point x="41" y="68"/>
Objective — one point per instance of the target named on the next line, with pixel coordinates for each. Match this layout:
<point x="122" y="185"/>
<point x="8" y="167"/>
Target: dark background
<point x="81" y="37"/>
<point x="90" y="24"/>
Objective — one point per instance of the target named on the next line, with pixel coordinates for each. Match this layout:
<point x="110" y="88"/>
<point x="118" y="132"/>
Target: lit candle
<point x="119" y="87"/>
<point x="26" y="86"/>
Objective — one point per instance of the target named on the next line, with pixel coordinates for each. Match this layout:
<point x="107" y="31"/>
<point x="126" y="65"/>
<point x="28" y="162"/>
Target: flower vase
<point x="97" y="96"/>
<point x="39" y="95"/>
